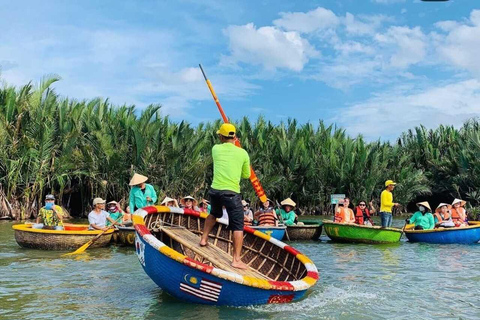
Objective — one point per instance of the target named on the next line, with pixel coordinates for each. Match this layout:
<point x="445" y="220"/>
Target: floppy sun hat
<point x="137" y="179"/>
<point x="227" y="130"/>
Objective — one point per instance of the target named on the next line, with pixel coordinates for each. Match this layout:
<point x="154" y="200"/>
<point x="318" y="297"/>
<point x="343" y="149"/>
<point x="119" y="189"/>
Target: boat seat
<point x="218" y="258"/>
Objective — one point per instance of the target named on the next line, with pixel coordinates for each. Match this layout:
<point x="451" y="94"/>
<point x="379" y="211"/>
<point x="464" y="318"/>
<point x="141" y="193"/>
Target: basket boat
<point x="166" y="241"/>
<point x="355" y="233"/>
<point x="308" y="231"/>
<point x="73" y="237"/>
<point x="126" y="236"/>
<point x="460" y="235"/>
<point x="276" y="232"/>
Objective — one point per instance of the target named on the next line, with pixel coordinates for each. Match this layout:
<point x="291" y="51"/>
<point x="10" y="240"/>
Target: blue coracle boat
<point x="166" y="242"/>
<point x="275" y="232"/>
<point x="461" y="235"/>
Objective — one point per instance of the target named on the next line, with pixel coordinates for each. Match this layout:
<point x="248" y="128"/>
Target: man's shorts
<point x="232" y="202"/>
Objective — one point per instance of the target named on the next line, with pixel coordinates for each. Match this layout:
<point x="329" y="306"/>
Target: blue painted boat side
<point x="446" y="236"/>
<point x="275" y="232"/>
<point x="185" y="283"/>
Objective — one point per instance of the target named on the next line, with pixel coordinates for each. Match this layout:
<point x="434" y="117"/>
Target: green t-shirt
<point x="230" y="164"/>
<point x="288" y="217"/>
<point x="423" y="220"/>
<point x="114" y="216"/>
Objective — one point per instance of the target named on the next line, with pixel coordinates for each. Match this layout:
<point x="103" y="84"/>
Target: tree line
<point x="81" y="149"/>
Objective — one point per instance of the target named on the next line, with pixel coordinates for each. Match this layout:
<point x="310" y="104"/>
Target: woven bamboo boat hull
<point x="353" y="233"/>
<point x="462" y="235"/>
<point x="59" y="239"/>
<point x="172" y="258"/>
<point x="309" y="231"/>
<point x="275" y="232"/>
<point x="126" y="236"/>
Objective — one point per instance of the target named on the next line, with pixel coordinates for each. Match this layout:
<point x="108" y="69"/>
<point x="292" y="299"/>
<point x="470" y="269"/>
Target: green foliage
<point x="68" y="147"/>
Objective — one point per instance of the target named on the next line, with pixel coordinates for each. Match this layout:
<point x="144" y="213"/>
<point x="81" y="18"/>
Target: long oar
<point x="90" y="242"/>
<point x="253" y="177"/>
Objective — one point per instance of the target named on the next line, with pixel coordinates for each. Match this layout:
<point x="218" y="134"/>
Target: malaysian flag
<point x="201" y="288"/>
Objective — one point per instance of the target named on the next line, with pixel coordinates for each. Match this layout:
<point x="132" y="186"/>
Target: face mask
<point x="112" y="209"/>
<point x="422" y="209"/>
<point x="48" y="205"/>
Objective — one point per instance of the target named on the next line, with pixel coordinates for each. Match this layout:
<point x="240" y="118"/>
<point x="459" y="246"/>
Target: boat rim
<point x="328" y="222"/>
<point x="298" y="285"/>
<point x="473" y="226"/>
<point x="28" y="228"/>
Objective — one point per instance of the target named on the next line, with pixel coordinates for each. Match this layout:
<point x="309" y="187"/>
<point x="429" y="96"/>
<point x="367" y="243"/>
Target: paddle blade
<point x="81" y="249"/>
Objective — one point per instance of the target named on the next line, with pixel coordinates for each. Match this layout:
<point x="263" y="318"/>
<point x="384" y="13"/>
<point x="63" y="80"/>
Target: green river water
<point x="401" y="281"/>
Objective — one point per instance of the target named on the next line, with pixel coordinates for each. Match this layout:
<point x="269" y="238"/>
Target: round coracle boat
<point x="461" y="235"/>
<point x="126" y="236"/>
<point x="308" y="231"/>
<point x="73" y="237"/>
<point x="167" y="245"/>
<point x="354" y="233"/>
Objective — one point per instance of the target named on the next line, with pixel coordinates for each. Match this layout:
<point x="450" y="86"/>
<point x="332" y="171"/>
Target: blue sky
<point x="374" y="67"/>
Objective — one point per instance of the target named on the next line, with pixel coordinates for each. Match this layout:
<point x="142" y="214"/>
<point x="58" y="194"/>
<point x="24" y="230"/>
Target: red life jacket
<point x="266" y="219"/>
<point x="359" y="215"/>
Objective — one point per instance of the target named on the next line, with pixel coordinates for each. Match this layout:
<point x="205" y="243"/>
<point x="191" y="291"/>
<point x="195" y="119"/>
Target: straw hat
<point x="98" y="201"/>
<point x="462" y="202"/>
<point x="425" y="204"/>
<point x="182" y="201"/>
<point x="167" y="200"/>
<point x="137" y="179"/>
<point x="288" y="202"/>
<point x="442" y="205"/>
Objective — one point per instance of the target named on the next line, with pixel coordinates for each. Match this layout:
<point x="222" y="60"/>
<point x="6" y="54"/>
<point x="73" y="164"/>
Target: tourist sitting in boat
<point x="287" y="212"/>
<point x="115" y="213"/>
<point x="169" y="202"/>
<point x="204" y="206"/>
<point x="363" y="214"/>
<point x="423" y="219"/>
<point x="443" y="217"/>
<point x="459" y="214"/>
<point x="343" y="214"/>
<point x="142" y="194"/>
<point x="247" y="214"/>
<point x="266" y="216"/>
<point x="50" y="216"/>
<point x="189" y="202"/>
<point x="98" y="217"/>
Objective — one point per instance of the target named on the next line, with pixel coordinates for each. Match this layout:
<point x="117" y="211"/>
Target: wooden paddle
<point x="89" y="243"/>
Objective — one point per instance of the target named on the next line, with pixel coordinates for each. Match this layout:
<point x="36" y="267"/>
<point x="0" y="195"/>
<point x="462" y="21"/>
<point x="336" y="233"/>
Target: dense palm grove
<point x="81" y="149"/>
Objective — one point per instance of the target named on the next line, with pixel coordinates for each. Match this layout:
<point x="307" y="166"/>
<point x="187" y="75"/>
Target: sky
<point x="374" y="67"/>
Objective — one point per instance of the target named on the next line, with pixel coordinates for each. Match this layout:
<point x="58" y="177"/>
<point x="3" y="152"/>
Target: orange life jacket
<point x="341" y="217"/>
<point x="266" y="218"/>
<point x="457" y="219"/>
<point x="439" y="217"/>
<point x="359" y="215"/>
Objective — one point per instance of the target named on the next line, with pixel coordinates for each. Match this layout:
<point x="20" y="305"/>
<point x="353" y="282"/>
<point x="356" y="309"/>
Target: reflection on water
<point x="356" y="282"/>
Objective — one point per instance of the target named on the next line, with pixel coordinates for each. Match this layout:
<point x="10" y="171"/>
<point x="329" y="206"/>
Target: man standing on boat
<point x="230" y="164"/>
<point x="386" y="204"/>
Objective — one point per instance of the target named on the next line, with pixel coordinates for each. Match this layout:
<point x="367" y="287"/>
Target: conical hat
<point x="137" y="179"/>
<point x="288" y="202"/>
<point x="425" y="204"/>
<point x="167" y="200"/>
<point x="182" y="201"/>
<point x="441" y="205"/>
<point x="462" y="202"/>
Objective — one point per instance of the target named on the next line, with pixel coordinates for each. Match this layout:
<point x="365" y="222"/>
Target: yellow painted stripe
<point x="311" y="281"/>
<point x="303" y="259"/>
<point x="262" y="235"/>
<point x="169" y="252"/>
<point x="203" y="215"/>
<point x="28" y="228"/>
<point x="257" y="282"/>
<point x="138" y="220"/>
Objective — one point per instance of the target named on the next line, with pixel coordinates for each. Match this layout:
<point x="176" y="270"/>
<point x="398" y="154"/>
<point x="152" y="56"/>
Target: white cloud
<point x="392" y="112"/>
<point x="388" y="1"/>
<point x="269" y="47"/>
<point x="461" y="45"/>
<point x="317" y="19"/>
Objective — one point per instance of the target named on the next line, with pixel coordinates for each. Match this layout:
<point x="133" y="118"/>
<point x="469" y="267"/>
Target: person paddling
<point x="230" y="164"/>
<point x="142" y="194"/>
<point x="386" y="204"/>
<point x="98" y="217"/>
<point x="423" y="219"/>
<point x="287" y="212"/>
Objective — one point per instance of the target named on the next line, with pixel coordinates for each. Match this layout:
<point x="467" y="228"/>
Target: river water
<point x="401" y="281"/>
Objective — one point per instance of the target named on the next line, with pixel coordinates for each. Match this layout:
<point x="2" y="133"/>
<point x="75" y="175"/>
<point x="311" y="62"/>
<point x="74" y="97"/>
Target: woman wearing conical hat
<point x="189" y="202"/>
<point x="142" y="194"/>
<point x="169" y="202"/>
<point x="459" y="214"/>
<point x="287" y="211"/>
<point x="423" y="218"/>
<point x="443" y="216"/>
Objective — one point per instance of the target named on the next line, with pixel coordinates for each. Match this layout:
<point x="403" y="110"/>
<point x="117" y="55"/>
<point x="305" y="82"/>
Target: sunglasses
<point x="362" y="204"/>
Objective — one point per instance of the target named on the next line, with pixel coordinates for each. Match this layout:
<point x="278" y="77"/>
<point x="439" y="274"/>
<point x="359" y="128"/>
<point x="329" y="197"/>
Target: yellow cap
<point x="227" y="130"/>
<point x="389" y="182"/>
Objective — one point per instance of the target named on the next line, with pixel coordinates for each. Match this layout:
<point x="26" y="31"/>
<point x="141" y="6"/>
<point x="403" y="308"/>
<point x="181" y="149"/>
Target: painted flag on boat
<point x="201" y="288"/>
<point x="140" y="249"/>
